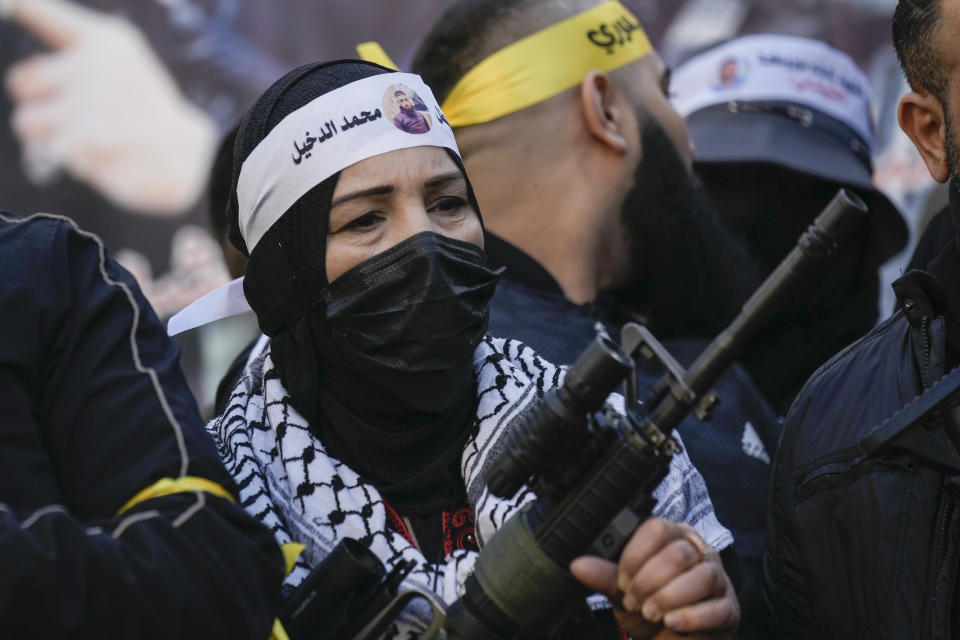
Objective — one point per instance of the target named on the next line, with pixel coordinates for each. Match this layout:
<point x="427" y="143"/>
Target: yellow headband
<point x="545" y="63"/>
<point x="373" y="52"/>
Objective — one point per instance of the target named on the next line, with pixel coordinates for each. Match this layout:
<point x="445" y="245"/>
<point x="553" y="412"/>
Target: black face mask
<point x="394" y="341"/>
<point x="409" y="319"/>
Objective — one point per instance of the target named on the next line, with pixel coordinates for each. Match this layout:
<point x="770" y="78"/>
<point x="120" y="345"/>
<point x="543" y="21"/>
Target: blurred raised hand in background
<point x="141" y="143"/>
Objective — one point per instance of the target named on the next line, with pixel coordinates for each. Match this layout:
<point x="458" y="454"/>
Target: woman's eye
<point x="450" y="205"/>
<point x="364" y="222"/>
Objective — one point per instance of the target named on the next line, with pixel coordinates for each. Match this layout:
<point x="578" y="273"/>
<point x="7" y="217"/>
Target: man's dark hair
<point x="470" y="30"/>
<point x="915" y="27"/>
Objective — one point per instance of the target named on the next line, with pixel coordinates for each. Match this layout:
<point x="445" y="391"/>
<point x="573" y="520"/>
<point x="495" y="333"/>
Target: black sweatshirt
<point x="93" y="410"/>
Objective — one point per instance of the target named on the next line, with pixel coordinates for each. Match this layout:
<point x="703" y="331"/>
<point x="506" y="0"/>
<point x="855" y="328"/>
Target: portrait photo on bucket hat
<point x="794" y="103"/>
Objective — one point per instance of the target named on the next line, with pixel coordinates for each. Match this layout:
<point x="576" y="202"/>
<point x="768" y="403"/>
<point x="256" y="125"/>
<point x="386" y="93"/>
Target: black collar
<point x="955" y="204"/>
<point x="530" y="274"/>
<point x="935" y="289"/>
<point x="521" y="268"/>
<point x="946" y="268"/>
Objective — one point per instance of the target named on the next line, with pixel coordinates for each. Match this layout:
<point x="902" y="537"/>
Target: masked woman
<point x="380" y="398"/>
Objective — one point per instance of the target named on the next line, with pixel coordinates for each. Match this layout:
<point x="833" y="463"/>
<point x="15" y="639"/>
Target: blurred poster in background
<point x="113" y="109"/>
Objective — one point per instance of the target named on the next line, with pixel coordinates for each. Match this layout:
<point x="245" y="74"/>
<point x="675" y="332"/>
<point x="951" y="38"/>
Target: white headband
<point x="338" y="129"/>
<point x="761" y="68"/>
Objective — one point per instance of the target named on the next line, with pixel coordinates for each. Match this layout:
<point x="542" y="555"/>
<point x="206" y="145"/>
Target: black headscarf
<point x="411" y="456"/>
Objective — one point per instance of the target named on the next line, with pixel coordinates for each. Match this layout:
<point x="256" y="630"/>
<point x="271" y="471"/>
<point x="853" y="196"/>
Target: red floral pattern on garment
<point x="458" y="528"/>
<point x="395" y="521"/>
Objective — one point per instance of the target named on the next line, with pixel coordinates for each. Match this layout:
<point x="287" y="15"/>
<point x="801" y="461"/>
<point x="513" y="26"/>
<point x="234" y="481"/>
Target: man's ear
<point x="921" y="117"/>
<point x="603" y="116"/>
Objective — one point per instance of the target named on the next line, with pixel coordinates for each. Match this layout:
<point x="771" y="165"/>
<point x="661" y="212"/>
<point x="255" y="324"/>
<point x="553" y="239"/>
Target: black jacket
<point x="868" y="547"/>
<point x="94" y="409"/>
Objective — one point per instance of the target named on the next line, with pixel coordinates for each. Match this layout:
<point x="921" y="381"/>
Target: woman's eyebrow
<point x="385" y="189"/>
<point x="372" y="191"/>
<point x="443" y="178"/>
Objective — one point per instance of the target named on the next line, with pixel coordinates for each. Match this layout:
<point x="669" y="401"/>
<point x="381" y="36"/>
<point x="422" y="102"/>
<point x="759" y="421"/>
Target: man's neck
<point x="545" y="187"/>
<point x="552" y="222"/>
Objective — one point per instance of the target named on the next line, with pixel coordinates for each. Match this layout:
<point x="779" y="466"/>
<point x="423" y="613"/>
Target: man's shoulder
<point x="34" y="259"/>
<point x="42" y="239"/>
<point x="32" y="236"/>
<point x="853" y="392"/>
<point x="406" y="118"/>
<point x="860" y="357"/>
<point x="547" y="321"/>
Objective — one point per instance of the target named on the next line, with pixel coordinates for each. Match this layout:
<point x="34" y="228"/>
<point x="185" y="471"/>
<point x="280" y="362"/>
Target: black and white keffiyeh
<point x="289" y="482"/>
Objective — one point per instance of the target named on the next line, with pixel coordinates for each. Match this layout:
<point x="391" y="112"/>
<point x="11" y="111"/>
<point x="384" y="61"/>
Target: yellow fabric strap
<point x="373" y="52"/>
<point x="545" y="63"/>
<point x="291" y="551"/>
<point x="168" y="486"/>
<point x="279" y="633"/>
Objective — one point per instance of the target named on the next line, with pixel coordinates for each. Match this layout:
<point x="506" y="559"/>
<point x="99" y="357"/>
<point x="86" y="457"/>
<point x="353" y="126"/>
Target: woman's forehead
<point x="413" y="164"/>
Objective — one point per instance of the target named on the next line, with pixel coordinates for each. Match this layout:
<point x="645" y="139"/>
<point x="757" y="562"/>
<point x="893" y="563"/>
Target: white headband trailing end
<point x="363" y="119"/>
<point x="223" y="302"/>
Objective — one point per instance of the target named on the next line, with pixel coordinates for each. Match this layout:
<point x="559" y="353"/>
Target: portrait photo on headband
<point x="406" y="109"/>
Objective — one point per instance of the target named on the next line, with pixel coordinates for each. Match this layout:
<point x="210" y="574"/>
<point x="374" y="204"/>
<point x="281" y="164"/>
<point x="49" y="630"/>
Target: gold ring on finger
<point x="698" y="544"/>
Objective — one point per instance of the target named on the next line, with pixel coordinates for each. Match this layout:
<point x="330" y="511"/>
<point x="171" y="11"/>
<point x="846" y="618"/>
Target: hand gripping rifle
<point x="594" y="470"/>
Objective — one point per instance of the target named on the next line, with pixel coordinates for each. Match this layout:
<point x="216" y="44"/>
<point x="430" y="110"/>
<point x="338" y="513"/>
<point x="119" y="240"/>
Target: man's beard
<point x="689" y="275"/>
<point x="952" y="143"/>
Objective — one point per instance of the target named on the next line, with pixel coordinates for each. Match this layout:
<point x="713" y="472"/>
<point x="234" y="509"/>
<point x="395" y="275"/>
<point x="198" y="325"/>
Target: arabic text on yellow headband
<point x="543" y="64"/>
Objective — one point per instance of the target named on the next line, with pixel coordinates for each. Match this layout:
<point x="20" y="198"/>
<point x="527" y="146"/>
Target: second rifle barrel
<point x="819" y="242"/>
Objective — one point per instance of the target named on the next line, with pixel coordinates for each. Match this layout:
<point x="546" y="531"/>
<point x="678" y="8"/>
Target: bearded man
<point x="864" y="540"/>
<point x="582" y="168"/>
<point x="408" y="118"/>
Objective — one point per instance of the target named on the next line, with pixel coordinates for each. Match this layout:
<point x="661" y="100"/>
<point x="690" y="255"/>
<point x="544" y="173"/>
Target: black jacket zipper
<point x="943" y="550"/>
